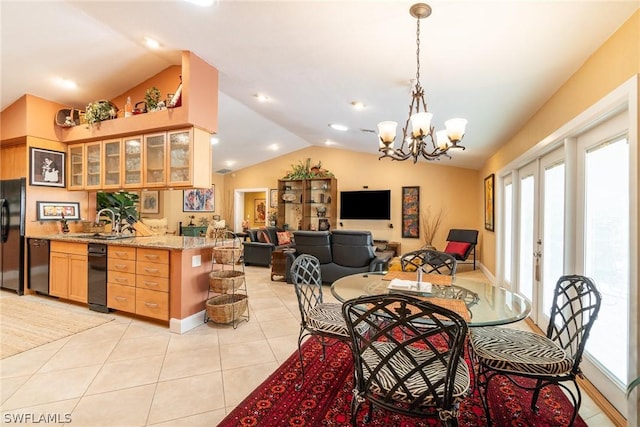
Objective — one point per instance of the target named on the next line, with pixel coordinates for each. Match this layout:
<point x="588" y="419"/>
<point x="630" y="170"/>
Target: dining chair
<point x="402" y="366"/>
<point x="429" y="261"/>
<point x="317" y="318"/>
<point x="551" y="359"/>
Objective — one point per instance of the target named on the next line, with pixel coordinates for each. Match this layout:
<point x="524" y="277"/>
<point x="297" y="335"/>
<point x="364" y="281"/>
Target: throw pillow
<point x="283" y="238"/>
<point x="457" y="249"/>
<point x="263" y="236"/>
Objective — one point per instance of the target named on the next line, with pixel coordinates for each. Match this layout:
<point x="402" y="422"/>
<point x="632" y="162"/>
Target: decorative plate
<point x="289" y="197"/>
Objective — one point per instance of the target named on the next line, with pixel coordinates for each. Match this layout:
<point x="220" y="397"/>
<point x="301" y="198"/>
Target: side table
<point x="279" y="264"/>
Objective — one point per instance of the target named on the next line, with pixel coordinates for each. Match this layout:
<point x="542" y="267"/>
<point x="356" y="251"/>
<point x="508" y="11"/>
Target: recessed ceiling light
<point x="203" y="3"/>
<point x="274" y="147"/>
<point x="214" y="140"/>
<point x="151" y="43"/>
<point x="261" y="97"/>
<point x="230" y="163"/>
<point x="66" y="83"/>
<point x="329" y="142"/>
<point x="357" y="105"/>
<point x="336" y="126"/>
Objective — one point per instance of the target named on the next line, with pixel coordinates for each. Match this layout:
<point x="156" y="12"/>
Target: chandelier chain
<point x="418" y="53"/>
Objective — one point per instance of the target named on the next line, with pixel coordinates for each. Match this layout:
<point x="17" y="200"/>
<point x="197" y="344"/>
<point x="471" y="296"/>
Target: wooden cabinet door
<point x="76" y="167"/>
<point x="93" y="152"/>
<point x="180" y="158"/>
<point x="112" y="152"/>
<point x="153" y="159"/>
<point x="78" y="278"/>
<point x="132" y="164"/>
<point x="59" y="275"/>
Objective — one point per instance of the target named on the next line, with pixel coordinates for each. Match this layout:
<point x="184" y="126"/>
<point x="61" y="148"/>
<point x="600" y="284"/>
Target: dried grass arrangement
<point x="431" y="224"/>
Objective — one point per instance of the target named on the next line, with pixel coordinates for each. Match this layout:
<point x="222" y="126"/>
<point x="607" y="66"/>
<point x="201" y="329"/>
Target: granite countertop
<point x="159" y="242"/>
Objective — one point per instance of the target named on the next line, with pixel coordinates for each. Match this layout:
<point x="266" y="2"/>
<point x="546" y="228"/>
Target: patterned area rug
<point x="26" y="324"/>
<point x="325" y="399"/>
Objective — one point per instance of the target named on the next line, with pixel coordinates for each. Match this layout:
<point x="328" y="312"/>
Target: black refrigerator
<point x="12" y="211"/>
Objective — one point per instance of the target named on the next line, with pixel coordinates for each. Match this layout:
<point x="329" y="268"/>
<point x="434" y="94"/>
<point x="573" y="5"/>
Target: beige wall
<point x="447" y="187"/>
<point x="616" y="61"/>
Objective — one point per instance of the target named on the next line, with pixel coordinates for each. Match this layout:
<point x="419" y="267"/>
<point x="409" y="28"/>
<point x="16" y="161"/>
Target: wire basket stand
<point x="227" y="297"/>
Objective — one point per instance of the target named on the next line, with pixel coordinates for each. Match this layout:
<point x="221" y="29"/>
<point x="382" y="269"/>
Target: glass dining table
<point x="487" y="304"/>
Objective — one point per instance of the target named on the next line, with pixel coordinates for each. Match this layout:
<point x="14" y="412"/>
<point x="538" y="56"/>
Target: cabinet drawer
<point x="117" y="252"/>
<point x="121" y="265"/>
<point x="152" y="304"/>
<point x="153" y="255"/>
<point x="153" y="283"/>
<point x="121" y="297"/>
<point x="152" y="269"/>
<point x="120" y="278"/>
<point x="68" y="247"/>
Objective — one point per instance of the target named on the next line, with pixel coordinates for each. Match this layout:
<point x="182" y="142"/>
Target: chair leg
<point x="299" y="386"/>
<point x="536" y="395"/>
<point x="356" y="401"/>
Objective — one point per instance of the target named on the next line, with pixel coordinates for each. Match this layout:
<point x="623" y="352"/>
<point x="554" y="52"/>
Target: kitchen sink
<point x="98" y="236"/>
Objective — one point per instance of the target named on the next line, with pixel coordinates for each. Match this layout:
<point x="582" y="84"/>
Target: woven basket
<point x="227" y="254"/>
<point x="226" y="308"/>
<point x="223" y="282"/>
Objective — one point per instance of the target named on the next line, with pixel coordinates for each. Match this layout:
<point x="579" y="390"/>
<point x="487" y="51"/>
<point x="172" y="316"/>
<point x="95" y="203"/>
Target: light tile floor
<point x="130" y="372"/>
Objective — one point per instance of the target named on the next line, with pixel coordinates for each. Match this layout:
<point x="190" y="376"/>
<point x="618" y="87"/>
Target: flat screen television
<point x="374" y="204"/>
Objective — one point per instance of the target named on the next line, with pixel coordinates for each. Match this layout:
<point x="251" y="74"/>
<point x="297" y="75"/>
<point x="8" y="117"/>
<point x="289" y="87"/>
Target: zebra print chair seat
<point x="317" y="318"/>
<point x="401" y="365"/>
<point x="551" y="359"/>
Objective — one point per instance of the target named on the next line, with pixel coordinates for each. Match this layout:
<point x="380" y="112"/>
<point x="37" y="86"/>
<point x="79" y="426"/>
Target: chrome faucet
<point x="115" y="219"/>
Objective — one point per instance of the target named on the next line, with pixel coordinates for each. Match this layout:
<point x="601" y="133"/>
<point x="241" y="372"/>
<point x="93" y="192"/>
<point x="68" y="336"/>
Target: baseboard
<point x="180" y="326"/>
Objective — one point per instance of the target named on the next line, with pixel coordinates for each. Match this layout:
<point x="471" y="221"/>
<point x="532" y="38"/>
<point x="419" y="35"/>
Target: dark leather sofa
<point x="259" y="253"/>
<point x="340" y="252"/>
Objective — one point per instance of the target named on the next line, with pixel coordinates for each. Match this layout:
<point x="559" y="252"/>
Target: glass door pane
<point x="526" y="234"/>
<point x="112" y="164"/>
<point x="133" y="162"/>
<point x="93" y="165"/>
<point x="508" y="230"/>
<point x="154" y="160"/>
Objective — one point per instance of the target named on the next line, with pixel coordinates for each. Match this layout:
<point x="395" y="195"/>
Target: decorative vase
<point x="65" y="227"/>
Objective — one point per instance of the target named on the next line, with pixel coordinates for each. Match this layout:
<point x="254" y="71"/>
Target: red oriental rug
<point x="325" y="399"/>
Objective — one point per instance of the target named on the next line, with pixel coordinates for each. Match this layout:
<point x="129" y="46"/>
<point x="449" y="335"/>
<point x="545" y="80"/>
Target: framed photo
<point x="260" y="210"/>
<point x="150" y="201"/>
<point x="411" y="212"/>
<point x="55" y="211"/>
<point x="47" y="168"/>
<point x="489" y="183"/>
<point x="199" y="200"/>
<point x="273" y="198"/>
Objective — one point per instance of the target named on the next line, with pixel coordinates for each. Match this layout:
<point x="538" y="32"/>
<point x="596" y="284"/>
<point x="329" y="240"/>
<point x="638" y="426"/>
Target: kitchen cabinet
<point x="112" y="164"/>
<point x="154" y="159"/>
<point x="138" y="281"/>
<point x="68" y="271"/>
<point x="132" y="161"/>
<point x="308" y="204"/>
<point x="76" y="167"/>
<point x="93" y="152"/>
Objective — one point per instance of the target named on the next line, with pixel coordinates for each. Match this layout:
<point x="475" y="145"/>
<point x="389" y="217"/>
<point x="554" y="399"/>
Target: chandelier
<point x="423" y="140"/>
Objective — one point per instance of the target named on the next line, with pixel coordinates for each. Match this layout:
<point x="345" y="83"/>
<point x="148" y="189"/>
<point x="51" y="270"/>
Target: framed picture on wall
<point x="260" y="210"/>
<point x="51" y="211"/>
<point x="199" y="200"/>
<point x="489" y="183"/>
<point x="47" y="168"/>
<point x="273" y="198"/>
<point x="150" y="201"/>
<point x="411" y="212"/>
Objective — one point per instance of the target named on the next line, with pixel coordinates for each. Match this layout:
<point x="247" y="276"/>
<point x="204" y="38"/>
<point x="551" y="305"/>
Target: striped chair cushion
<point x="415" y="382"/>
<point x="327" y="318"/>
<point x="516" y="351"/>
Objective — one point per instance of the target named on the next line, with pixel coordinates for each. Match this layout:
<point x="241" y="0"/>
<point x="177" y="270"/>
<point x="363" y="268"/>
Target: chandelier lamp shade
<point x="422" y="140"/>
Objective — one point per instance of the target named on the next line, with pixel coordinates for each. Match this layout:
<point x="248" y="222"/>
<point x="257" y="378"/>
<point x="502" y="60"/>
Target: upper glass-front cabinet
<point x="112" y="156"/>
<point x="76" y="167"/>
<point x="94" y="168"/>
<point x="154" y="160"/>
<point x="132" y="162"/>
<point x="180" y="157"/>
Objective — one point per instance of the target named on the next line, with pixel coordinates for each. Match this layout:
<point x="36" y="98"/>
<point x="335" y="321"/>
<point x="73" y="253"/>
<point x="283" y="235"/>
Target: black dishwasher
<point x="38" y="262"/>
<point x="97" y="277"/>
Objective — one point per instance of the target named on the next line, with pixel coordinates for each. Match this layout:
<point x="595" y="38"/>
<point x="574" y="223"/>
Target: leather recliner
<point x="340" y="252"/>
<point x="259" y="253"/>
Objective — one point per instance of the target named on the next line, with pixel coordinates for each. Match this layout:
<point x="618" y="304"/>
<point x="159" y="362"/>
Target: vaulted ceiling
<point x="492" y="62"/>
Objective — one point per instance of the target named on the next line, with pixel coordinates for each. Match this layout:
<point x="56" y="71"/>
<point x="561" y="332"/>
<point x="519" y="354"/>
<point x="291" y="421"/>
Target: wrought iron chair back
<point x="430" y="261"/>
<point x="408" y="356"/>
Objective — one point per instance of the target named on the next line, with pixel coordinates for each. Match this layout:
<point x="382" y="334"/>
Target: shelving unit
<point x="308" y="204"/>
<point x="227" y="283"/>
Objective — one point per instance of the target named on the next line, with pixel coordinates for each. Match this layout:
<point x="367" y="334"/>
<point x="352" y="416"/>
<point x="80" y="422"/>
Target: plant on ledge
<point x="430" y="225"/>
<point x="99" y="111"/>
<point x="306" y="171"/>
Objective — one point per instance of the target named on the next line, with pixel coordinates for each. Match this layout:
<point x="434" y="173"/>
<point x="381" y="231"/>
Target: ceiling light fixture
<point x="66" y="83"/>
<point x="357" y="105"/>
<point x="336" y="126"/>
<point x="151" y="43"/>
<point x="421" y="141"/>
<point x="203" y="3"/>
<point x="261" y="97"/>
<point x="214" y="140"/>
